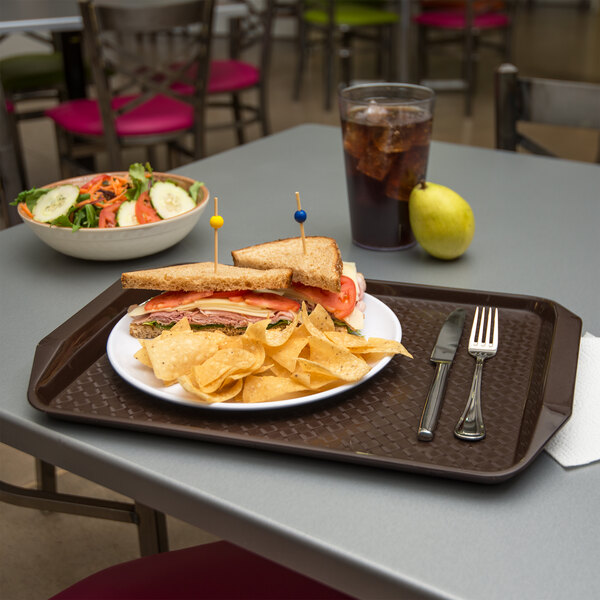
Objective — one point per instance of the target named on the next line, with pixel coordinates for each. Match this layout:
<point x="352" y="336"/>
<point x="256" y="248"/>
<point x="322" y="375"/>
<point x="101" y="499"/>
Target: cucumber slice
<point x="126" y="214"/>
<point x="55" y="203"/>
<point x="169" y="200"/>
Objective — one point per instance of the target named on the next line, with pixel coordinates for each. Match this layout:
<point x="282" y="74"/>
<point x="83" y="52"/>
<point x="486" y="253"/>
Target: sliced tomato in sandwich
<point x="233" y="295"/>
<point x="260" y="299"/>
<point x="174" y="299"/>
<point x="271" y="301"/>
<point x="339" y="304"/>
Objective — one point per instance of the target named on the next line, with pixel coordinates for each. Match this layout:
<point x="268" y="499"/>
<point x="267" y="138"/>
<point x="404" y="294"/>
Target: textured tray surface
<point x="375" y="423"/>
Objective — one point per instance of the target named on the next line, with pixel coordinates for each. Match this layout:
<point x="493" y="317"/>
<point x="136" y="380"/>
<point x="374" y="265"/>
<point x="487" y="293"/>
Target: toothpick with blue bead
<point x="216" y="222"/>
<point x="300" y="217"/>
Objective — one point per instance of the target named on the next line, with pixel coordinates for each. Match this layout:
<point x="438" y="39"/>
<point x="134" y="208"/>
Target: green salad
<point x="110" y="200"/>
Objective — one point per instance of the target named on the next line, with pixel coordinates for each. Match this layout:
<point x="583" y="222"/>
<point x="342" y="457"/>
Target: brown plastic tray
<point x="527" y="389"/>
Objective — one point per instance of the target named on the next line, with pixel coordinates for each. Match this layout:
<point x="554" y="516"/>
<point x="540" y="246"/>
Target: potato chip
<point x="175" y="354"/>
<point x="224" y="395"/>
<point x="223" y="367"/>
<point x="313" y="381"/>
<point x="142" y="356"/>
<point x="270" y="337"/>
<point x="287" y="354"/>
<point x="337" y="360"/>
<point x="309" y="325"/>
<point x="181" y="325"/>
<point x="267" y="388"/>
<point x="321" y="319"/>
<point x="361" y="345"/>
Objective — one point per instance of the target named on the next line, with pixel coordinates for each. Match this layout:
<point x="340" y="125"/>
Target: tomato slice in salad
<point x="340" y="304"/>
<point x="271" y="301"/>
<point x="173" y="299"/>
<point x="144" y="211"/>
<point x="108" y="216"/>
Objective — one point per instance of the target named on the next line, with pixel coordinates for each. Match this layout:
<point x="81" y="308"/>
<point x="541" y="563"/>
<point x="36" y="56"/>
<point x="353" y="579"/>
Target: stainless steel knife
<point x="443" y="354"/>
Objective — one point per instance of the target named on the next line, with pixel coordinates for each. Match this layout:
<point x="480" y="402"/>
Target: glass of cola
<point x="386" y="130"/>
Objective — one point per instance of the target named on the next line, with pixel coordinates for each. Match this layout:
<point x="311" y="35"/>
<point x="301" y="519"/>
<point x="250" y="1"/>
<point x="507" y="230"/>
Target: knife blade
<point x="442" y="354"/>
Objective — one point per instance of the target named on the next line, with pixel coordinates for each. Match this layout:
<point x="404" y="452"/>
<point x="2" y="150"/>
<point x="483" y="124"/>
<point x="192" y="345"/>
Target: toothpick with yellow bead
<point x="300" y="217"/>
<point x="216" y="222"/>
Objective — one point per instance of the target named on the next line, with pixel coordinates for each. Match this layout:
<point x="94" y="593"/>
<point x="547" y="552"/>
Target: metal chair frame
<point x="343" y="36"/>
<point x="245" y="33"/>
<point x="55" y="92"/>
<point x="545" y="101"/>
<point x="469" y="40"/>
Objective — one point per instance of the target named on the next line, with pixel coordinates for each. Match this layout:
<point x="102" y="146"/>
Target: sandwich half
<point x="228" y="300"/>
<point x="319" y="276"/>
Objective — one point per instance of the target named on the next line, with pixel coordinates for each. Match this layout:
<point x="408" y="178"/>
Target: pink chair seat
<point x="217" y="571"/>
<point x="10" y="107"/>
<point x="456" y="20"/>
<point x="159" y="115"/>
<point x="231" y="75"/>
<point x="225" y="76"/>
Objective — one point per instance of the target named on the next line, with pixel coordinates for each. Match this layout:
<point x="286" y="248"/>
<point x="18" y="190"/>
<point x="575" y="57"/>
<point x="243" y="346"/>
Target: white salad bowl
<point x="120" y="243"/>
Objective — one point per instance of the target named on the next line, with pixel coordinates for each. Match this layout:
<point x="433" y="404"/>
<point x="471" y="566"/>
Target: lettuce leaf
<point x="30" y="197"/>
<point x="194" y="189"/>
<point x="139" y="182"/>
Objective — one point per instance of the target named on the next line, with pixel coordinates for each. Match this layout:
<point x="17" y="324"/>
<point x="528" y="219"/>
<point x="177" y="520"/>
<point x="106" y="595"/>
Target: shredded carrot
<point x="97" y="188"/>
<point x="83" y="203"/>
<point x="93" y="182"/>
<point x="26" y="210"/>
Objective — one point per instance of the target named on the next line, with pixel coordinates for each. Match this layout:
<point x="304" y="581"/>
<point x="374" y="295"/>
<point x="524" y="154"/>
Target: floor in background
<point x="43" y="553"/>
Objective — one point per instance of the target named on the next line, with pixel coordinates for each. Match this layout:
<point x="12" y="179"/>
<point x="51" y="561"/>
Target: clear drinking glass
<point x="386" y="130"/>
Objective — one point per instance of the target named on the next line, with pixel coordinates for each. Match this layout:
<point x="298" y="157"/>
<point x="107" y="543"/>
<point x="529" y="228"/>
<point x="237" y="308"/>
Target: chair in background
<point x="215" y="571"/>
<point x="133" y="50"/>
<point x="544" y="101"/>
<point x="235" y="77"/>
<point x="31" y="77"/>
<point x="338" y="23"/>
<point x="468" y="25"/>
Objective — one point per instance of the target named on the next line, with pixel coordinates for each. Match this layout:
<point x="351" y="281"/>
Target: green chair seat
<point x="31" y="72"/>
<point x="352" y="16"/>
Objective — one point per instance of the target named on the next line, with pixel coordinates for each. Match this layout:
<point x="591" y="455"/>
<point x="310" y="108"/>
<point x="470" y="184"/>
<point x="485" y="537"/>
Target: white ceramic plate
<point x="380" y="322"/>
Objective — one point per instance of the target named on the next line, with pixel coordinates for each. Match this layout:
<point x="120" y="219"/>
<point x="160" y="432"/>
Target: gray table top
<point x="371" y="532"/>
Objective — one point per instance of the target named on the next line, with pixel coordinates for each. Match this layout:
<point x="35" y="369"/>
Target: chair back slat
<point x="551" y="102"/>
<point x="542" y="101"/>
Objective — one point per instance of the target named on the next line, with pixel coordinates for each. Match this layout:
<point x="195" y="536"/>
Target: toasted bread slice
<point x="143" y="331"/>
<point x="201" y="277"/>
<point x="320" y="267"/>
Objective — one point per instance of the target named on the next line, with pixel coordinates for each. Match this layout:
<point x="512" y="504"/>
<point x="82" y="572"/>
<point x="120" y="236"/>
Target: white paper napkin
<point x="578" y="441"/>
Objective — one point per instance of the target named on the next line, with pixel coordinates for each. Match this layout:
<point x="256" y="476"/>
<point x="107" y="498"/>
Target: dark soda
<point x="386" y="149"/>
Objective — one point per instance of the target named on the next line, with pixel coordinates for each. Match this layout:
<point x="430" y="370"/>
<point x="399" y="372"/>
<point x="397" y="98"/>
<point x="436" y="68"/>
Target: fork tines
<point x="487" y="342"/>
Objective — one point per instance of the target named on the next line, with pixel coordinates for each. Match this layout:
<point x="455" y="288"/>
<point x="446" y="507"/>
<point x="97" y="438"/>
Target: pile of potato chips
<point x="263" y="365"/>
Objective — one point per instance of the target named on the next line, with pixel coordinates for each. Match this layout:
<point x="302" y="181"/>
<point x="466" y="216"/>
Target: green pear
<point x="441" y="220"/>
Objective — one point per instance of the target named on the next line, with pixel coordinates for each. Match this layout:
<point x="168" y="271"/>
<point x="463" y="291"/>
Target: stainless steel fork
<point x="470" y="426"/>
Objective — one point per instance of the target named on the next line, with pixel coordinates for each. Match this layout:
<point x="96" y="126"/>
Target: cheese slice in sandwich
<point x="319" y="276"/>
<point x="228" y="300"/>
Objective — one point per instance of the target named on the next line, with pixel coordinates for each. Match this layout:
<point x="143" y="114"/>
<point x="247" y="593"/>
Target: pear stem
<point x="423" y="184"/>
